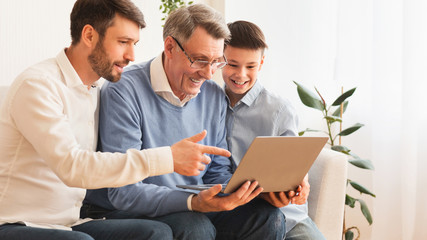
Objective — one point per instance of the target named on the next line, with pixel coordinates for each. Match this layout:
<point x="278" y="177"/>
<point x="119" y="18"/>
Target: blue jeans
<point x="305" y="230"/>
<point x="254" y="220"/>
<point x="97" y="229"/>
<point x="184" y="225"/>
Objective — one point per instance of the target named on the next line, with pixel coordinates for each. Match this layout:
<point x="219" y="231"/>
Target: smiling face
<point x="183" y="79"/>
<point x="115" y="50"/>
<point x="241" y="72"/>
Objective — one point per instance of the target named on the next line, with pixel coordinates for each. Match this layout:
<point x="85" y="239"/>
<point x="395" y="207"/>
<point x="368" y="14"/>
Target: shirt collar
<point x="251" y="95"/>
<point x="71" y="77"/>
<point x="159" y="81"/>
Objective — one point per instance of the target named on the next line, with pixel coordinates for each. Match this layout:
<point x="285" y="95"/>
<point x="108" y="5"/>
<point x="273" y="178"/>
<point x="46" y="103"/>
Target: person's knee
<point x="202" y="228"/>
<point x="147" y="229"/>
<point x="20" y="231"/>
<point x="161" y="231"/>
<point x="277" y="220"/>
<point x="191" y="225"/>
<point x="75" y="235"/>
<point x="272" y="219"/>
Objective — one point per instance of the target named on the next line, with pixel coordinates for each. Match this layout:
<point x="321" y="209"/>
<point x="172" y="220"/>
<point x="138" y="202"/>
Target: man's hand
<point x="277" y="199"/>
<point x="281" y="199"/>
<point x="189" y="157"/>
<point x="208" y="201"/>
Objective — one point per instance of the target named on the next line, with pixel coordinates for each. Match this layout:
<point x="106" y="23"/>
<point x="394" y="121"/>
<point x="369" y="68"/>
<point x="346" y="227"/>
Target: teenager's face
<point x="242" y="70"/>
<point x="112" y="53"/>
<point x="185" y="80"/>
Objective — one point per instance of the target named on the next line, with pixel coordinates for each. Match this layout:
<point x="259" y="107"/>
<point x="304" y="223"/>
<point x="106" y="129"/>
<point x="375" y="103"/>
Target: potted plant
<point x="168" y="6"/>
<point x="332" y="115"/>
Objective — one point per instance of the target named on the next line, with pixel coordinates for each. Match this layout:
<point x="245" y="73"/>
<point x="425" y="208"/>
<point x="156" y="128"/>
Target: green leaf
<point x="351" y="129"/>
<point x="350" y="201"/>
<point x="332" y="119"/>
<point x="343" y="97"/>
<point x="341" y="148"/>
<point x="349" y="235"/>
<point x="361" y="163"/>
<point x="361" y="188"/>
<point x="354" y="155"/>
<point x="308" y="98"/>
<point x="337" y="112"/>
<point x="307" y="130"/>
<point x="365" y="210"/>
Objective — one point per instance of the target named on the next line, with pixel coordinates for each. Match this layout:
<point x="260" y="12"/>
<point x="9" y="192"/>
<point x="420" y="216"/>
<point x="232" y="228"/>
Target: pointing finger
<point x="215" y="151"/>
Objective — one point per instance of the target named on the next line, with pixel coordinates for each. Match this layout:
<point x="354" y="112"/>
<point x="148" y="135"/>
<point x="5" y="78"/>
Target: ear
<point x="261" y="63"/>
<point x="89" y="36"/>
<point x="169" y="46"/>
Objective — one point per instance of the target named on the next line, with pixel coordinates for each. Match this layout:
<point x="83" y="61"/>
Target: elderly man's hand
<point x="209" y="201"/>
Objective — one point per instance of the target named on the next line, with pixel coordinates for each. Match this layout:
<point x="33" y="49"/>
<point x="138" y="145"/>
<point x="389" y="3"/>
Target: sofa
<point x="328" y="181"/>
<point x="327" y="178"/>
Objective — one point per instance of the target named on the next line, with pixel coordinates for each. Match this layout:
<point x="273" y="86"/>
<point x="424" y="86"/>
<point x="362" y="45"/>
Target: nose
<point x="130" y="53"/>
<point x="207" y="72"/>
<point x="240" y="72"/>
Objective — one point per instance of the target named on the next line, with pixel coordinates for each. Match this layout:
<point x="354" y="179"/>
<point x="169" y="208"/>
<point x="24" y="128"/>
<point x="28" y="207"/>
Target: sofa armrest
<point x="3" y="92"/>
<point x="327" y="178"/>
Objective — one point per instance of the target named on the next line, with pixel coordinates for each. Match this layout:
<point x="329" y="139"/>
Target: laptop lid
<point x="278" y="163"/>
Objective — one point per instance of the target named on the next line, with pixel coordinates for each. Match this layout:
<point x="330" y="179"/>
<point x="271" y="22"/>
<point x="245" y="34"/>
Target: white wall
<point x="31" y="31"/>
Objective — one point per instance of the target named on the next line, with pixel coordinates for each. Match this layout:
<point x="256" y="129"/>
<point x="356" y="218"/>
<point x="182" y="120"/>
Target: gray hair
<point x="182" y="22"/>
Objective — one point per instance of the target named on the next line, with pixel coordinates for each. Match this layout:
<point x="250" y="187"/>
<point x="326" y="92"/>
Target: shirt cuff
<point x="161" y="161"/>
<point x="189" y="202"/>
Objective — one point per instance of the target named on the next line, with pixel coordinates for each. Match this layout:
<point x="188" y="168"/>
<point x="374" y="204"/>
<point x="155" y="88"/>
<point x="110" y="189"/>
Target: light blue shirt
<point x="262" y="113"/>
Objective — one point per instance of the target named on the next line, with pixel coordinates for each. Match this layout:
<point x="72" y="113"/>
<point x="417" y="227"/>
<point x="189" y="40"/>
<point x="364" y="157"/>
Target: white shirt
<point x="48" y="134"/>
<point x="161" y="86"/>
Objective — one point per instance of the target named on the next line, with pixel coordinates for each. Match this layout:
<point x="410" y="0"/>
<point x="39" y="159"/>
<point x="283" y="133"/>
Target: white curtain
<point x="380" y="47"/>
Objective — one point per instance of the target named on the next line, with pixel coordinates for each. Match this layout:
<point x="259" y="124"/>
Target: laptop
<point x="278" y="163"/>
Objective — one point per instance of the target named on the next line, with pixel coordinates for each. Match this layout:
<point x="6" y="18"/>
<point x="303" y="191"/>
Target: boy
<point x="254" y="111"/>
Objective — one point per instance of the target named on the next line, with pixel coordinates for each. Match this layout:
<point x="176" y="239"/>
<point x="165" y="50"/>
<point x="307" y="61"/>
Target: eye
<point x="232" y="65"/>
<point x="251" y="66"/>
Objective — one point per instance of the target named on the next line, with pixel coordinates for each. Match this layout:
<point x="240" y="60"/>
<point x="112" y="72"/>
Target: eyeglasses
<point x="199" y="64"/>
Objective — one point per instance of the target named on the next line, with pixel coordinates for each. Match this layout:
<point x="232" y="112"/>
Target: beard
<point x="102" y="65"/>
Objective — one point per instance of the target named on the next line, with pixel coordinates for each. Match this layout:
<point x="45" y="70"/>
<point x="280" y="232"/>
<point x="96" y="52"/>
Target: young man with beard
<point x="165" y="99"/>
<point x="48" y="134"/>
<point x="254" y="111"/>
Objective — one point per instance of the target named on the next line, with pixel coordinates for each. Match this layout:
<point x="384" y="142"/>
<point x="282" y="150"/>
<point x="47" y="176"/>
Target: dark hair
<point x="182" y="22"/>
<point x="100" y="14"/>
<point x="246" y="35"/>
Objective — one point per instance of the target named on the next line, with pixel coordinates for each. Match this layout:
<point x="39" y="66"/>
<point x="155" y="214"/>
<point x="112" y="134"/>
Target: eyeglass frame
<point x="203" y="62"/>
